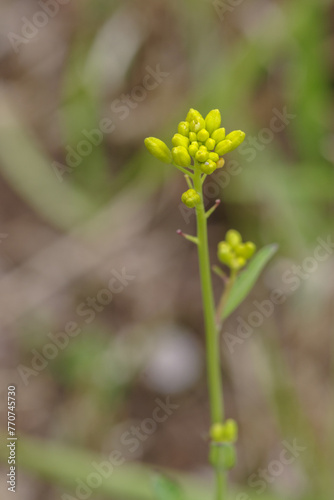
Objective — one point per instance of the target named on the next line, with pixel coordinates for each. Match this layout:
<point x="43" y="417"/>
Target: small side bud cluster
<point x="198" y="142"/>
<point x="191" y="198"/>
<point x="233" y="252"/>
<point x="224" y="433"/>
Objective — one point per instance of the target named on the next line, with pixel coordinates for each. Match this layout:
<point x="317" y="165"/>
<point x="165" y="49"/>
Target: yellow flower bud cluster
<point x="233" y="252"/>
<point x="224" y="433"/>
<point x="198" y="141"/>
<point x="191" y="198"/>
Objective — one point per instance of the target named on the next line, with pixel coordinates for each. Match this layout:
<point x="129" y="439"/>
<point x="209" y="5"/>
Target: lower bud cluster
<point x="233" y="252"/>
<point x="224" y="433"/>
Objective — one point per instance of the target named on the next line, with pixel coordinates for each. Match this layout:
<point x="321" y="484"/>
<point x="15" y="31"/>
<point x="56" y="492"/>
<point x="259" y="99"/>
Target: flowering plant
<point x="198" y="150"/>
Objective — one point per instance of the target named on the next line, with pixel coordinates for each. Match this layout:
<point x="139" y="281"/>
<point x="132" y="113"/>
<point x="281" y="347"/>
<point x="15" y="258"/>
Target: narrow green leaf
<point x="166" y="489"/>
<point x="247" y="279"/>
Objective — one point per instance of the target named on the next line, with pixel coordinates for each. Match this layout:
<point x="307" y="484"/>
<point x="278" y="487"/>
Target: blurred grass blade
<point x="166" y="489"/>
<point x="247" y="279"/>
<point x="29" y="172"/>
<point x="67" y="466"/>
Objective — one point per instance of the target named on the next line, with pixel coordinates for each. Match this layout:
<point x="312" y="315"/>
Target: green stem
<point x="220" y="485"/>
<point x="212" y="338"/>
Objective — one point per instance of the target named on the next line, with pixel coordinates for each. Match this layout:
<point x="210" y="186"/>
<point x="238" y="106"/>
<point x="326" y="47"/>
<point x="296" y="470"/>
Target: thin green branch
<point x="219" y="272"/>
<point x="189" y="181"/>
<point x="184" y="170"/>
<point x="188" y="237"/>
<point x="212" y="209"/>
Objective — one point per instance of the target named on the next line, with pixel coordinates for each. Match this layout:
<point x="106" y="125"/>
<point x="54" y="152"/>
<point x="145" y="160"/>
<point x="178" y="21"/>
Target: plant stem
<point x="212" y="338"/>
<point x="220" y="485"/>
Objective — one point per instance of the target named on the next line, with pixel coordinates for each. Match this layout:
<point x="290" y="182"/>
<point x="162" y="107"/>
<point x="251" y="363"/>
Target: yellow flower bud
<point x="214" y="157"/>
<point x="202" y="155"/>
<point x="223" y="147"/>
<point x="225" y="253"/>
<point x="236" y="137"/>
<point x="233" y="238"/>
<point x="237" y="263"/>
<point x="216" y="432"/>
<point x="203" y="135"/>
<point x="181" y="156"/>
<point x="240" y="250"/>
<point x="210" y="144"/>
<point x="220" y="163"/>
<point x="180" y="140"/>
<point x="158" y="149"/>
<point x="193" y="148"/>
<point x="208" y="167"/>
<point x="183" y="128"/>
<point x="230" y="431"/>
<point x="192" y="136"/>
<point x="227" y="432"/>
<point x="191" y="198"/>
<point x="246" y="250"/>
<point x="218" y="135"/>
<point x="193" y="114"/>
<point x="213" y="121"/>
<point x="197" y="124"/>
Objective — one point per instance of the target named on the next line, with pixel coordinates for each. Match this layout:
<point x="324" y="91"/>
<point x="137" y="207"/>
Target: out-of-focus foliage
<point x="81" y="198"/>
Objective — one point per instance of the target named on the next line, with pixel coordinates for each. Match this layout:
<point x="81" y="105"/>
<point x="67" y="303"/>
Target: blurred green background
<point x="82" y="84"/>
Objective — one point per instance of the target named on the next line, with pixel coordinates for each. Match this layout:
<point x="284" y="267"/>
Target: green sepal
<point x="222" y="456"/>
<point x="233" y="238"/>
